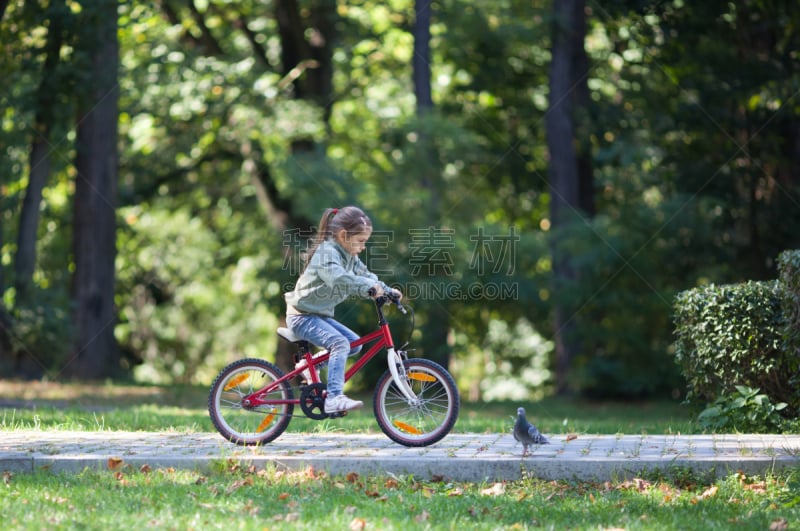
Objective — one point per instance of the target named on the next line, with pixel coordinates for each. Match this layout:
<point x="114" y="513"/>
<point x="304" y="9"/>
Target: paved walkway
<point x="460" y="457"/>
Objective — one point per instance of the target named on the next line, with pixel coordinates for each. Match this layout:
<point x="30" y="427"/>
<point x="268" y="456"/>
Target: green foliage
<point x="41" y="335"/>
<point x="789" y="271"/>
<point x="730" y="336"/>
<point x="745" y="410"/>
<point x="628" y="265"/>
<point x="185" y="307"/>
<point x="512" y="363"/>
<point x="219" y="154"/>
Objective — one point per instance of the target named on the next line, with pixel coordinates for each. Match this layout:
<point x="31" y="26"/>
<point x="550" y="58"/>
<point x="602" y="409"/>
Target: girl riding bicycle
<point x="333" y="273"/>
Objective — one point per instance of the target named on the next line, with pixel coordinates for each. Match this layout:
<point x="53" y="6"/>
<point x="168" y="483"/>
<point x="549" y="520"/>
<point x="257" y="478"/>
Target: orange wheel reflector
<point x="266" y="422"/>
<point x="421" y="376"/>
<point x="406" y="427"/>
<point x="235" y="381"/>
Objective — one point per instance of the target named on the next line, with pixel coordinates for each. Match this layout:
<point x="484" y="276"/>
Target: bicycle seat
<point x="288" y="335"/>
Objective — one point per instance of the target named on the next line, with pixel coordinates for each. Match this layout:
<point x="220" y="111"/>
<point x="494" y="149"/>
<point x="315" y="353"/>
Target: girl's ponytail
<point x="323" y="232"/>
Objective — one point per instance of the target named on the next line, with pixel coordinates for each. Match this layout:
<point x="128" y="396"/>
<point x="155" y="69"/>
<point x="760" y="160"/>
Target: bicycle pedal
<point x="337" y="415"/>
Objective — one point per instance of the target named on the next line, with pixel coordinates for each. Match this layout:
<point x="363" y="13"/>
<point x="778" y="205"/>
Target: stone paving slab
<point x="459" y="457"/>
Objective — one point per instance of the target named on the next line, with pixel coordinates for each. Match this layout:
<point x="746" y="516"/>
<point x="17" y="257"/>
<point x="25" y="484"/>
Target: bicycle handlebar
<point x="388" y="297"/>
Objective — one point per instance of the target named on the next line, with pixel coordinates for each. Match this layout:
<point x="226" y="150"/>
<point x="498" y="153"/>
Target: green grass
<point x="237" y="498"/>
<point x="82" y="407"/>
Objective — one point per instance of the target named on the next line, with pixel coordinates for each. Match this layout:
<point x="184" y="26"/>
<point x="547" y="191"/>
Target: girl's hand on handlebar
<point x="396" y="294"/>
<point x="376" y="291"/>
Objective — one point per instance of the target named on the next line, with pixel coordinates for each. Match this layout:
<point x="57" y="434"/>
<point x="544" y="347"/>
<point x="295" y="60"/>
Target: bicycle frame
<point x="381" y="338"/>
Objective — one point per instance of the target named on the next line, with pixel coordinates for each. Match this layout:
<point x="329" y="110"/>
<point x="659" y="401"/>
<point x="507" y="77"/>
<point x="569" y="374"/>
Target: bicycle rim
<point x="249" y="425"/>
<point x="426" y="420"/>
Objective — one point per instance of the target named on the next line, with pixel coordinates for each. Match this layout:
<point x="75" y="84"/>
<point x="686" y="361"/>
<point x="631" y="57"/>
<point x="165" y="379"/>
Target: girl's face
<point x="354" y="243"/>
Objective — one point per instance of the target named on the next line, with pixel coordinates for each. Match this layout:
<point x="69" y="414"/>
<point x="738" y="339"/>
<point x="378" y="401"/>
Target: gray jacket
<point x="332" y="276"/>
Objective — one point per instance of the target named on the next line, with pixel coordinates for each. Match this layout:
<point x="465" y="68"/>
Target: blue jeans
<point x="328" y="333"/>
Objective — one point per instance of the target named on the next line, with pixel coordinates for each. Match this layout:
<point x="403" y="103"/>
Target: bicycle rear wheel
<point x="242" y="424"/>
<point x="427" y="419"/>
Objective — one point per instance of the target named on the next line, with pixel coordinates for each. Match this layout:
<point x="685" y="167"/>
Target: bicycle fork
<point x="399" y="375"/>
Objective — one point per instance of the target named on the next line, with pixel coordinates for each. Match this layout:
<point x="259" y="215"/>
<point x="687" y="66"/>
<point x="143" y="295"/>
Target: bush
<point x="729" y="336"/>
<point x="41" y="336"/>
<point x="789" y="275"/>
<point x="746" y="411"/>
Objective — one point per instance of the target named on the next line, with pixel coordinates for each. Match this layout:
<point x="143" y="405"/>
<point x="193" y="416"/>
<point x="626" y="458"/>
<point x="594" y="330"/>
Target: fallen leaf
<point x="495" y="490"/>
<point x="239" y="483"/>
<point x="145" y="469"/>
<point x="358" y="524"/>
<point x="638" y="484"/>
<point x="55" y="499"/>
<point x="778" y="525"/>
<point x="421" y="517"/>
<point x="708" y="493"/>
<point x="114" y="463"/>
<point x="283" y="495"/>
<point x="760" y="487"/>
<point x="351" y="477"/>
<point x="251" y="509"/>
<point x="571" y="437"/>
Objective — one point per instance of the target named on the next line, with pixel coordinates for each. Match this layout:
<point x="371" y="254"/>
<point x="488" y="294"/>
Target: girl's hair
<point x="351" y="219"/>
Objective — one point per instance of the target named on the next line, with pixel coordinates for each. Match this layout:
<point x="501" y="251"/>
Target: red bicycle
<point x="416" y="401"/>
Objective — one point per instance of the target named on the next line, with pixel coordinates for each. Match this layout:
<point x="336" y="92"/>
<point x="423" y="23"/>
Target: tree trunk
<point x="6" y="354"/>
<point x="565" y="182"/>
<point x="436" y="328"/>
<point x="306" y="42"/>
<point x="421" y="62"/>
<point x="307" y="60"/>
<point x="25" y="258"/>
<point x="96" y="353"/>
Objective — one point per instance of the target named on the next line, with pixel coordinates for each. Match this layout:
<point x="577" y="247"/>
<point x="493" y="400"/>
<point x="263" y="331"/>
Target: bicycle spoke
<point x="249" y="425"/>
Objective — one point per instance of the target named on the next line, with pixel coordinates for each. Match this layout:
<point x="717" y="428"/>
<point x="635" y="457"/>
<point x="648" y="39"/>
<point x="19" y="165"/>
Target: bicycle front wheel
<point x="424" y="420"/>
<point x="243" y="424"/>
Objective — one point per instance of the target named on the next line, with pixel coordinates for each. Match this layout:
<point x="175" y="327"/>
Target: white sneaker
<point x="340" y="403"/>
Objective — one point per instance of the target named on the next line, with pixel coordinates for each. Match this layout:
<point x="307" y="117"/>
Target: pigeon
<point x="527" y="433"/>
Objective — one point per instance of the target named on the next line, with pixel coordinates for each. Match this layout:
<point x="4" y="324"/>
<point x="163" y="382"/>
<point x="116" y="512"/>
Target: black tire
<point x="422" y="423"/>
<point x="249" y="425"/>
